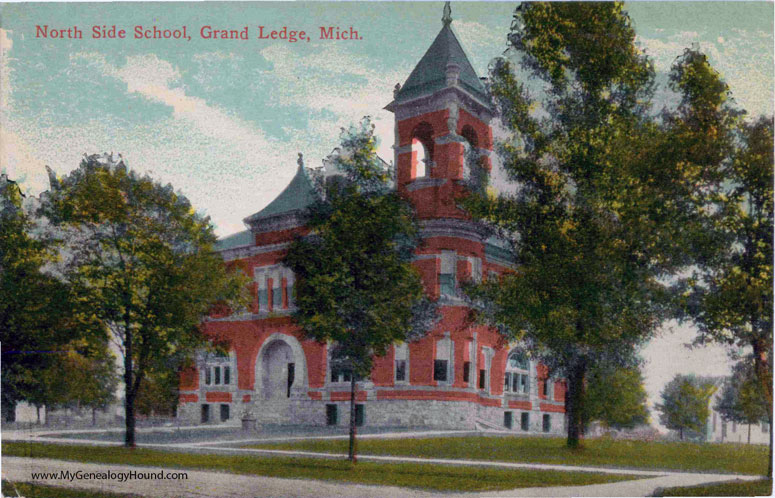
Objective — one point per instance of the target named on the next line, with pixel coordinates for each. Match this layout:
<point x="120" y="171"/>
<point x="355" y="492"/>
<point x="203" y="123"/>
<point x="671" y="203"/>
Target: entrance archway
<point x="281" y="368"/>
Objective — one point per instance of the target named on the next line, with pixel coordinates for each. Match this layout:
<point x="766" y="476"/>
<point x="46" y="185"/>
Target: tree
<point x="39" y="314"/>
<point x="616" y="397"/>
<point x="741" y="399"/>
<point x="159" y="394"/>
<point x="83" y="376"/>
<point x="144" y="260"/>
<point x="599" y="218"/>
<point x="685" y="404"/>
<point x="730" y="296"/>
<point x="355" y="285"/>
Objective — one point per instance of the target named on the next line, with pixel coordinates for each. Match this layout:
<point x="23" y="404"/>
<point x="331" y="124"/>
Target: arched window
<point x="473" y="171"/>
<point x="517" y="376"/>
<point x="422" y="150"/>
<point x="420" y="156"/>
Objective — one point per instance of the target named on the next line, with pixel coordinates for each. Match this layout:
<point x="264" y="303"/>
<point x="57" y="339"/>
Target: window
<point x="400" y="370"/>
<point x="205" y="413"/>
<point x="224" y="413"/>
<point x="734" y="426"/>
<point x="482" y="379"/>
<point x="263" y="299"/>
<point x="277" y="295"/>
<point x="765" y="427"/>
<point x="419" y="154"/>
<point x="401" y="355"/>
<point x="422" y="149"/>
<point x="508" y="419"/>
<point x="547" y="425"/>
<point x="440" y="370"/>
<point x="331" y="415"/>
<point x="443" y="360"/>
<point x="467" y="372"/>
<point x="517" y="378"/>
<point x="340" y="374"/>
<point x="274" y="282"/>
<point x="476" y="269"/>
<point x="546" y="388"/>
<point x="525" y="422"/>
<point x="359" y="415"/>
<point x="447" y="273"/>
<point x="217" y="370"/>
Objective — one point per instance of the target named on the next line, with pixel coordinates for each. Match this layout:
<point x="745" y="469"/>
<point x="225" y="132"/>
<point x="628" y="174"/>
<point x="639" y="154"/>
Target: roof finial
<point x="446" y="19"/>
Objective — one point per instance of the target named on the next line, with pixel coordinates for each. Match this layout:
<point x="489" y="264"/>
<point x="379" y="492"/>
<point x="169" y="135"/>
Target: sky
<point x="224" y="120"/>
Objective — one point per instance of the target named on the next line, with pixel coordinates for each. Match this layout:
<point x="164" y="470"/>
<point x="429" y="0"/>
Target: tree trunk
<point x="575" y="403"/>
<point x="761" y="364"/>
<point x="129" y="394"/>
<point x="351" y="454"/>
<point x="37" y="410"/>
<point x="749" y="433"/>
<point x="93" y="416"/>
<point x="769" y="464"/>
<point x="681" y="433"/>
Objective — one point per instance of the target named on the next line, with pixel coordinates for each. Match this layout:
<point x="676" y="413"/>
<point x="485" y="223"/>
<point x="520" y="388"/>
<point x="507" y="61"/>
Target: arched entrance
<point x="280" y="368"/>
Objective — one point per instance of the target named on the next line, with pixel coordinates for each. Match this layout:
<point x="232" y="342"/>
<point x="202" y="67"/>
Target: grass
<point x="28" y="490"/>
<point x="702" y="457"/>
<point x="762" y="487"/>
<point x="433" y="477"/>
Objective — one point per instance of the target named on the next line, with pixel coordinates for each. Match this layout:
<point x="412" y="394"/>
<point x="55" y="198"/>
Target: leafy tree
<point x="84" y="376"/>
<point x="38" y="313"/>
<point x="742" y="400"/>
<point x="144" y="260"/>
<point x="730" y="296"/>
<point x="685" y="404"/>
<point x="355" y="285"/>
<point x="616" y="397"/>
<point x="159" y="394"/>
<point x="604" y="204"/>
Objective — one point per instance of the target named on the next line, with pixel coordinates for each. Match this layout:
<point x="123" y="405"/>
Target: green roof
<point x="430" y="74"/>
<point x="238" y="239"/>
<point x="298" y="195"/>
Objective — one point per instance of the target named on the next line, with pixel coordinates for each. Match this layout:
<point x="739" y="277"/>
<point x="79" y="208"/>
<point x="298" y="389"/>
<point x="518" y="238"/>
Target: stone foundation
<point x="459" y="415"/>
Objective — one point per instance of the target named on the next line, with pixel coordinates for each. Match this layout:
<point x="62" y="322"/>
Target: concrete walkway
<point x="220" y="484"/>
<point x="217" y="484"/>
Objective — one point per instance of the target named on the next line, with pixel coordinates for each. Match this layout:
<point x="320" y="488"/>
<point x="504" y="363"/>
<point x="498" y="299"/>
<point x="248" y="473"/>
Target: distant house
<point x="460" y="375"/>
<point x="719" y="430"/>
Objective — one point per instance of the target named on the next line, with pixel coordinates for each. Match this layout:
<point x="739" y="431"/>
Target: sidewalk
<point x="219" y="484"/>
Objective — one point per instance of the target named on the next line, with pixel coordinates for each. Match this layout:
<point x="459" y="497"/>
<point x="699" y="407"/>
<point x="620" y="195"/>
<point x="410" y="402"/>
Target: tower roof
<point x="298" y="195"/>
<point x="430" y="74"/>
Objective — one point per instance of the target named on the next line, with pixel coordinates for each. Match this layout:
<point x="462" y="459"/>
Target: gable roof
<point x="430" y="74"/>
<point x="297" y="196"/>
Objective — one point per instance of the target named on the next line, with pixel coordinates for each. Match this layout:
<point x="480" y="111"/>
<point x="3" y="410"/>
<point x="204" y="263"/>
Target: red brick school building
<point x="458" y="375"/>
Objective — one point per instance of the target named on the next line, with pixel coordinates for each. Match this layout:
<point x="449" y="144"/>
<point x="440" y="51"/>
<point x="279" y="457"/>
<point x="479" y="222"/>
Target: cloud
<point x="337" y="89"/>
<point x="737" y="59"/>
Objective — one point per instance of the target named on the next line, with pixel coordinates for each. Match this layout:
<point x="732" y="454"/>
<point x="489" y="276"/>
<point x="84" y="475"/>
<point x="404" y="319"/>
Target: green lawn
<point x="761" y="487"/>
<point x="728" y="458"/>
<point x="433" y="477"/>
<point x="41" y="491"/>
